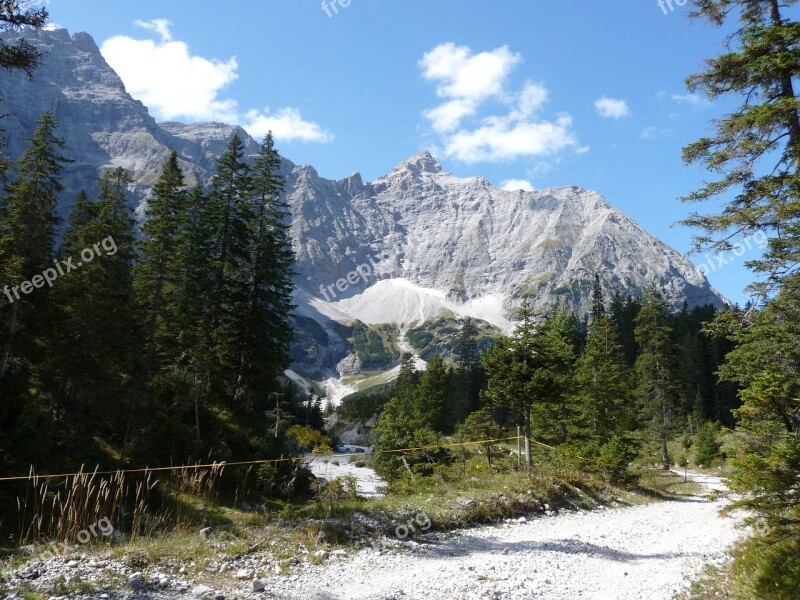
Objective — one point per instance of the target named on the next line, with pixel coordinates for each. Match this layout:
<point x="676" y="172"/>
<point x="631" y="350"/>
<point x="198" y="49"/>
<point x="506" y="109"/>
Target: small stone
<point x="219" y="597"/>
<point x="521" y="520"/>
<point x="244" y="574"/>
<point x="163" y="582"/>
<point x="321" y="554"/>
<point x="72" y="564"/>
<point x="258" y="585"/>
<point x="206" y="531"/>
<point x="203" y="591"/>
<point x="136" y="581"/>
<point x="340" y="553"/>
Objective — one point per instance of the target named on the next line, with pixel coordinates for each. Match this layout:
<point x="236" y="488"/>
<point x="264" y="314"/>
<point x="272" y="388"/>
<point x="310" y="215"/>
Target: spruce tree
<point x="264" y="330"/>
<point x="598" y="302"/>
<point x="229" y="207"/>
<point x="16" y="15"/>
<point x="431" y="395"/>
<point x="755" y="149"/>
<point x="466" y="395"/>
<point x="603" y="387"/>
<point x="656" y="368"/>
<point x="554" y="376"/>
<point x="27" y="234"/>
<point x="92" y="365"/>
<point x="157" y="271"/>
<point x="510" y="367"/>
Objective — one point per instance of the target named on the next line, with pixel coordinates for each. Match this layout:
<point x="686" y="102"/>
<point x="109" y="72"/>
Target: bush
<point x="707" y="445"/>
<point x="613" y="460"/>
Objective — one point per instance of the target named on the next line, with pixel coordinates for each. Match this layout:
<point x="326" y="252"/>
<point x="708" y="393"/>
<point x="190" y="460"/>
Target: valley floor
<point x="646" y="551"/>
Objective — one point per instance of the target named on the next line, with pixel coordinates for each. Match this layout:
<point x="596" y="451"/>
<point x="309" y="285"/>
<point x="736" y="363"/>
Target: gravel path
<point x="648" y="551"/>
<point x="643" y="552"/>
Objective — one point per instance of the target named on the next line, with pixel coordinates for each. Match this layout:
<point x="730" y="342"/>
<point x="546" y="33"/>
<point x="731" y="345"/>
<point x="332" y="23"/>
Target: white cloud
<point x="695" y="100"/>
<point x="175" y="84"/>
<point x="461" y="74"/>
<point x="611" y="108"/>
<point x="447" y="117"/>
<point x="466" y="81"/>
<point x="512" y="185"/>
<point x="160" y="26"/>
<point x="287" y="124"/>
<point x="503" y="138"/>
<point x="531" y="99"/>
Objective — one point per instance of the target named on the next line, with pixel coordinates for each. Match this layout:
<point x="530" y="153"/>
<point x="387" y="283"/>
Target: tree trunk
<point x="12" y="326"/>
<point x="196" y="410"/>
<point x="528" y="438"/>
<point x="664" y="453"/>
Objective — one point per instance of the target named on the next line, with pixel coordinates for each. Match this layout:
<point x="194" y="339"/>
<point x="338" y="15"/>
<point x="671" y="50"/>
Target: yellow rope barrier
<point x="261" y="462"/>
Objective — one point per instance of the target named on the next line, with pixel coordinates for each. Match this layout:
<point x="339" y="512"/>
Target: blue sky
<point x="586" y="93"/>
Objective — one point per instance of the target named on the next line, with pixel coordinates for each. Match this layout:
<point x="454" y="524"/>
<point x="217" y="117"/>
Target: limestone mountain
<point x="374" y="259"/>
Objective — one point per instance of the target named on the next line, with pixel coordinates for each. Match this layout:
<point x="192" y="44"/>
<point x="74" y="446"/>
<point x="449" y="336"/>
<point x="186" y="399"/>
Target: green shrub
<point x="613" y="460"/>
<point x="707" y="445"/>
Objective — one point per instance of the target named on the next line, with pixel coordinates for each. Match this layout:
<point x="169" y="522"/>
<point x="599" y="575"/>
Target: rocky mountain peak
<point x="421" y="162"/>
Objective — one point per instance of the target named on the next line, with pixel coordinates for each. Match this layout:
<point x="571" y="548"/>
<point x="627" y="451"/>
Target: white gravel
<point x="643" y="552"/>
<point x="369" y="483"/>
<point x="649" y="551"/>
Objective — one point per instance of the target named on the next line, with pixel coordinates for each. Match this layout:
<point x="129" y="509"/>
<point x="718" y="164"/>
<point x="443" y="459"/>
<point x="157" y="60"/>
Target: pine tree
<point x="756" y="148"/>
<point x="656" y="368"/>
<point x="466" y="395"/>
<point x="157" y="272"/>
<point x="604" y="387"/>
<point x="15" y="15"/>
<point x="27" y="232"/>
<point x="510" y="367"/>
<point x="554" y="376"/>
<point x="264" y="329"/>
<point x="431" y="395"/>
<point x="230" y="208"/>
<point x="598" y="302"/>
<point x="92" y="365"/>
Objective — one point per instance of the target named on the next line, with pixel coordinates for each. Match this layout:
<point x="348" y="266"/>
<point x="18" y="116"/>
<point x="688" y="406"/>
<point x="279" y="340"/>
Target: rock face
<point x="414" y="244"/>
<point x="464" y="240"/>
<point x="102" y="125"/>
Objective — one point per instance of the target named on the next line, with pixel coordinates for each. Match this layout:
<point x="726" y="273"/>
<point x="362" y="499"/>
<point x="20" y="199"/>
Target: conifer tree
<point x="431" y="394"/>
<point x="16" y="15"/>
<point x="510" y="366"/>
<point x="93" y="364"/>
<point x="755" y="149"/>
<point x="27" y="233"/>
<point x="656" y="368"/>
<point x="554" y="376"/>
<point x="603" y="387"/>
<point x="157" y="272"/>
<point x="229" y="206"/>
<point x="264" y="330"/>
<point x="466" y="394"/>
<point x="598" y="302"/>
